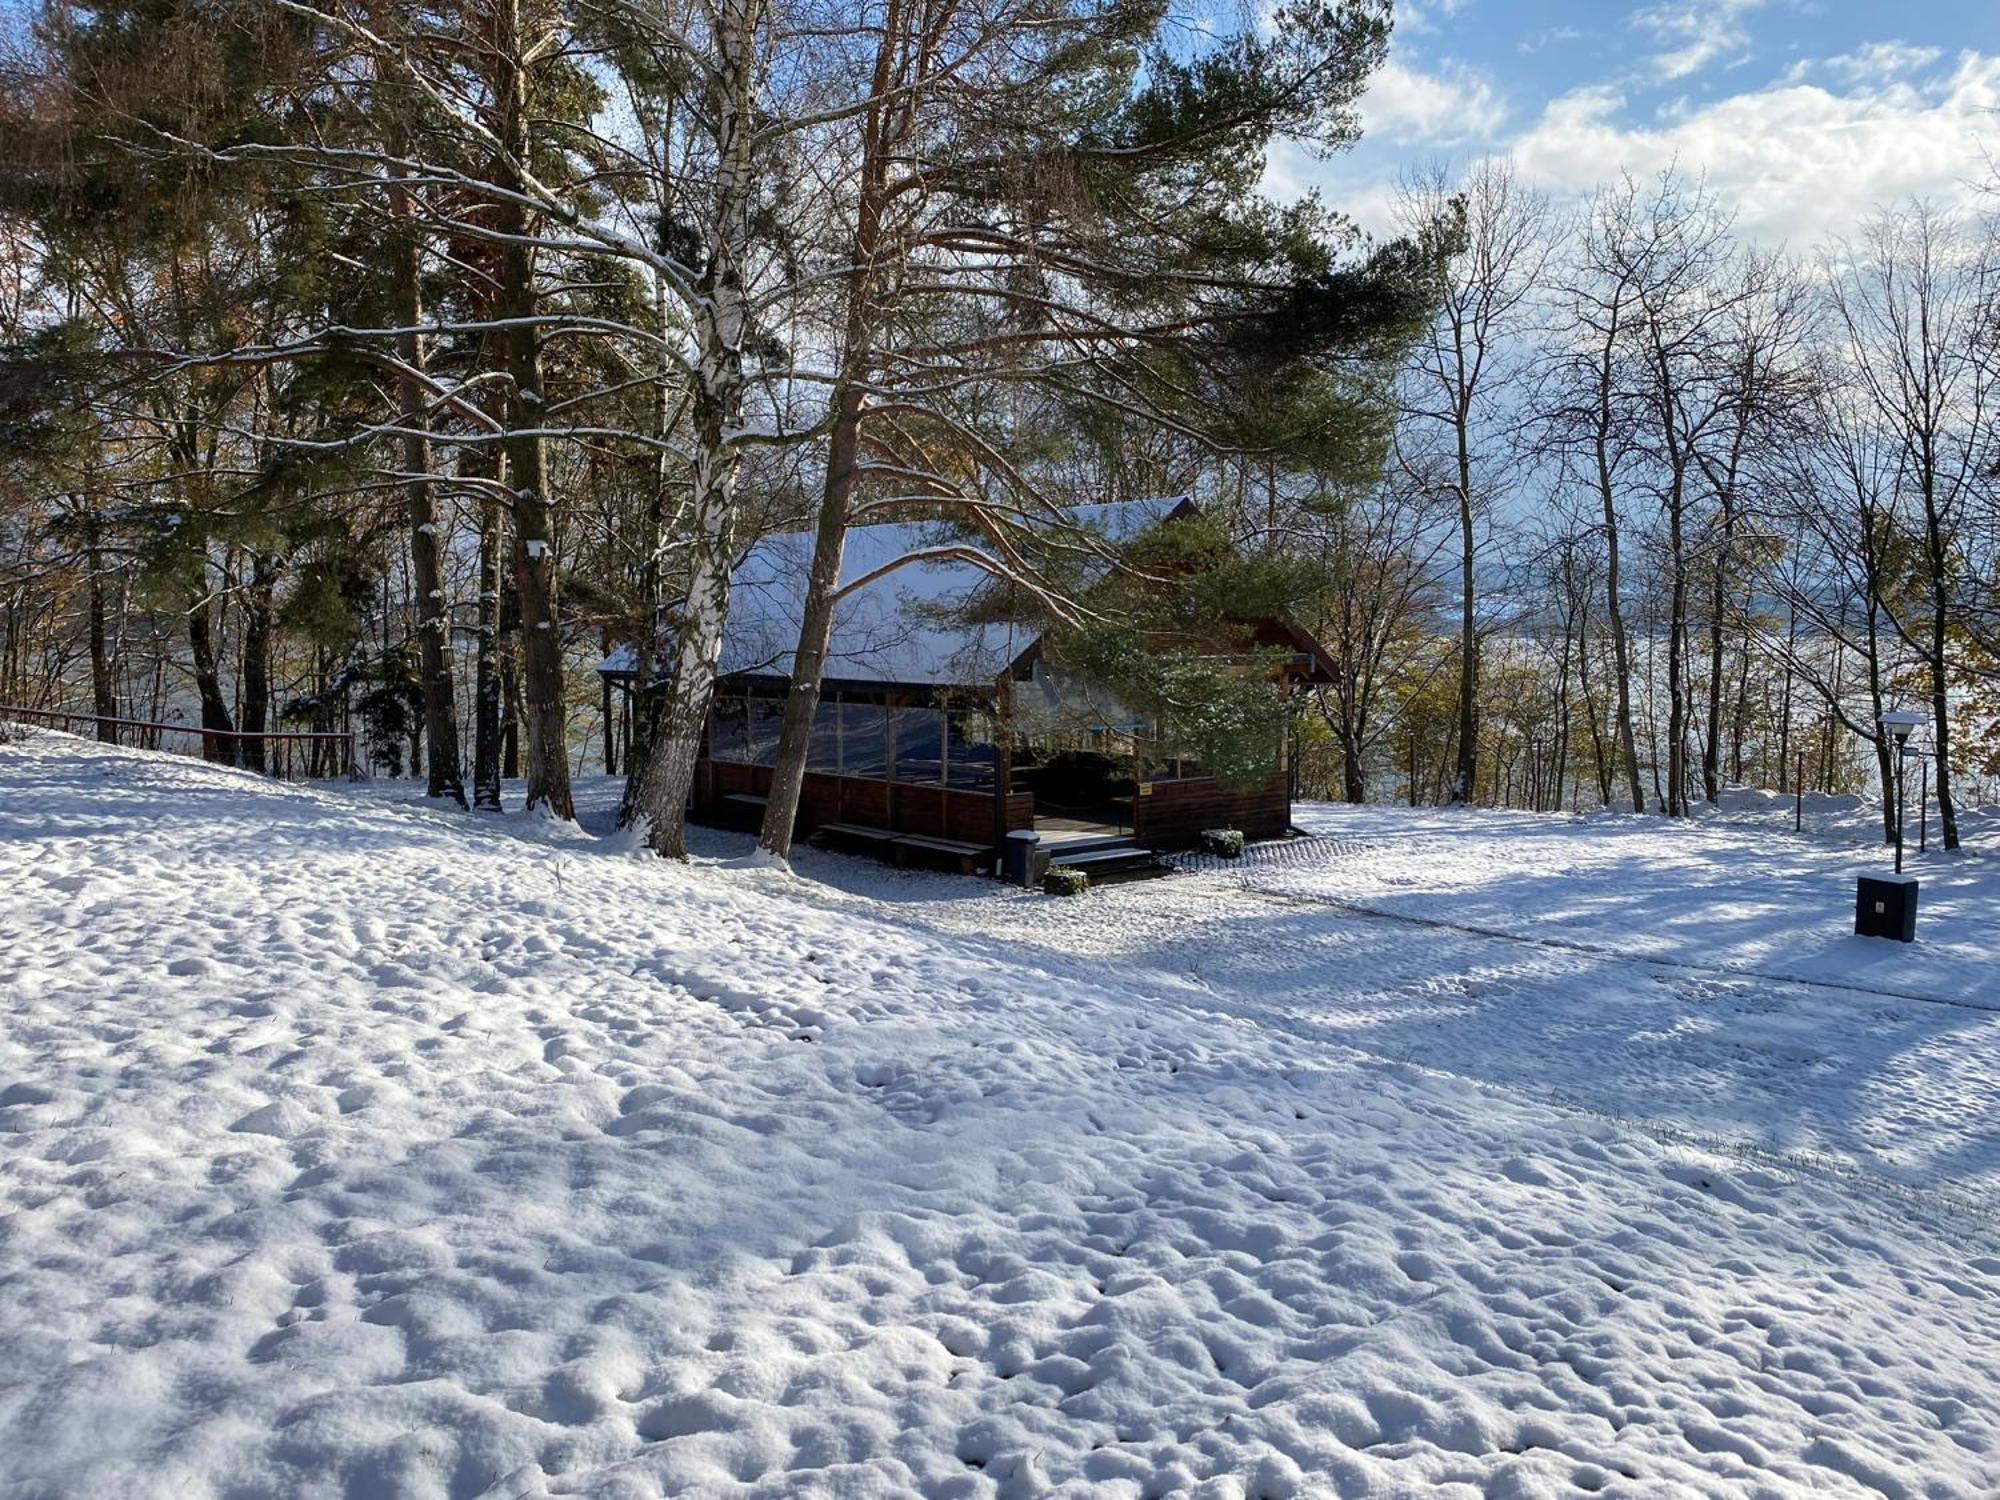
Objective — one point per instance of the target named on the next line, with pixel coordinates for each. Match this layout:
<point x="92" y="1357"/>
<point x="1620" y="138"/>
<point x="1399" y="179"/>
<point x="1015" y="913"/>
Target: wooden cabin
<point x="937" y="739"/>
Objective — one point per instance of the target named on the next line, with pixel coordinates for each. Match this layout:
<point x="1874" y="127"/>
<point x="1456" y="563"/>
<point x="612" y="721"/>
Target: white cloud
<point x="1548" y="36"/>
<point x="1695" y="32"/>
<point x="1801" y="161"/>
<point x="1451" y="105"/>
<point x="1413" y="19"/>
<point x="1878" y="62"/>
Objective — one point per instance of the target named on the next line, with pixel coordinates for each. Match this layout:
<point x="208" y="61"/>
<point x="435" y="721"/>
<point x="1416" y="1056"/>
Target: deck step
<point x="922" y="849"/>
<point x="1102" y="858"/>
<point x="1056" y="848"/>
<point x="855" y="833"/>
<point x="945" y="846"/>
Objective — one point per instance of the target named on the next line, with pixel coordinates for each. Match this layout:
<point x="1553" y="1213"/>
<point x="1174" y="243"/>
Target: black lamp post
<point x="1899" y="724"/>
<point x="1886" y="905"/>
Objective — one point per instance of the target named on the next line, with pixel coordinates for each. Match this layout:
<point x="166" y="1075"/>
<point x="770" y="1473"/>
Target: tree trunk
<point x="1885" y="767"/>
<point x="718" y="410"/>
<point x="1785" y="767"/>
<point x="1600" y="761"/>
<point x="1353" y="772"/>
<point x="1739" y="719"/>
<point x="608" y="708"/>
<point x="543" y="709"/>
<point x="1677" y="693"/>
<point x="208" y="683"/>
<point x="435" y="657"/>
<point x="1711" y="758"/>
<point x="642" y="703"/>
<point x="1621" y="656"/>
<point x="257" y="613"/>
<point x="1711" y="745"/>
<point x="1466" y="779"/>
<point x="1941" y="728"/>
<point x="1877" y="701"/>
<point x="104" y="698"/>
<point x="1560" y="755"/>
<point x="1937" y="662"/>
<point x="486" y="691"/>
<point x="510" y="708"/>
<point x="788" y="775"/>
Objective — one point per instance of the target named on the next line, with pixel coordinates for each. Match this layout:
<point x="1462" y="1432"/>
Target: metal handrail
<point x="209" y="737"/>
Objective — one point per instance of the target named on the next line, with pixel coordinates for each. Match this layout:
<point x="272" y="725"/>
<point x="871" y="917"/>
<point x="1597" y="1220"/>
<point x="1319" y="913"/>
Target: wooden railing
<point x="289" y="755"/>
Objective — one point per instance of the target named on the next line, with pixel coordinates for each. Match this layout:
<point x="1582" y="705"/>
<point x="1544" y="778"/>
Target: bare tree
<point x="1911" y="304"/>
<point x="1378" y="555"/>
<point x="1767" y="399"/>
<point x="1466" y="370"/>
<point x="1845" y="563"/>
<point x="1677" y="249"/>
<point x="1582" y="406"/>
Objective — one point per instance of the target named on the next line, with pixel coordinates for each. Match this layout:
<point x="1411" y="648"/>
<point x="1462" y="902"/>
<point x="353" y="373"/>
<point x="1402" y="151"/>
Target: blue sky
<point x="1805" y="112"/>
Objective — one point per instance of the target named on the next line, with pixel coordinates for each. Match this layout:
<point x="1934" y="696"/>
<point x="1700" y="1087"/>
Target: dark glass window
<point x="861" y="740"/>
<point x="919" y="745"/>
<point x="971" y="758"/>
<point x="767" y="716"/>
<point x="727" y="738"/>
<point x="825" y="752"/>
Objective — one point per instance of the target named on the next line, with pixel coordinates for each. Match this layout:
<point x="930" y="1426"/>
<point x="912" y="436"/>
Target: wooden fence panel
<point x="1175" y="813"/>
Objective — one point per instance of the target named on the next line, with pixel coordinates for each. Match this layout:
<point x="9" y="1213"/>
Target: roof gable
<point x="896" y="628"/>
<point x="900" y="627"/>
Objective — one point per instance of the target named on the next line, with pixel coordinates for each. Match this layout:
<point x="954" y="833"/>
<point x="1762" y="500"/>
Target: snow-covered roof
<point x="896" y="628"/>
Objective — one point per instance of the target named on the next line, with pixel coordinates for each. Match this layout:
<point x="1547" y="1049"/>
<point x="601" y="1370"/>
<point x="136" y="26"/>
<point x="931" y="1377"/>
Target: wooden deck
<point x="725" y="790"/>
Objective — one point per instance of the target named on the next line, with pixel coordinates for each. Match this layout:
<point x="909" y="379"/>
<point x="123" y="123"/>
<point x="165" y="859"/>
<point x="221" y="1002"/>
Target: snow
<point x="896" y="628"/>
<point x="1850" y="818"/>
<point x="1723" y="891"/>
<point x="359" y="1148"/>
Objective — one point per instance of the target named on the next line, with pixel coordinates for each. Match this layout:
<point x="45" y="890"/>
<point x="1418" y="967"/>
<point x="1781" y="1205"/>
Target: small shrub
<point x="1061" y="881"/>
<point x="1225" y="843"/>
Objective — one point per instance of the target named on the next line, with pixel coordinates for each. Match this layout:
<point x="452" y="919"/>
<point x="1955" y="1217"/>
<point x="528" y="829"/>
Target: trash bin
<point x="1885" y="906"/>
<point x="1023" y="844"/>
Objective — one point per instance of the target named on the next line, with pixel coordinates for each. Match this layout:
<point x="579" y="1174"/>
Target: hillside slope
<point x="356" y="1149"/>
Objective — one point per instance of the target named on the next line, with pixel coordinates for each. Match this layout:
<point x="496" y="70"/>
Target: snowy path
<point x="358" y="1150"/>
<point x="1410" y="946"/>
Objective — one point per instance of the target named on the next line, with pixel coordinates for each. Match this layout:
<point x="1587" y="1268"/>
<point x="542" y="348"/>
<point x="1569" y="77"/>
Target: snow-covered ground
<point x="351" y="1148"/>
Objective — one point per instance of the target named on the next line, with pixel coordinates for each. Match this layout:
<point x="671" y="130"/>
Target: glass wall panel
<point x="861" y="740"/>
<point x="972" y="759"/>
<point x="825" y="752"/>
<point x="767" y="716"/>
<point x="727" y="737"/>
<point x="919" y="745"/>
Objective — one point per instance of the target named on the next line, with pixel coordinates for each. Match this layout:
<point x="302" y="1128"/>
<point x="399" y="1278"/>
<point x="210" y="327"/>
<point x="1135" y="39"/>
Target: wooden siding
<point x="1174" y="814"/>
<point x="908" y="807"/>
